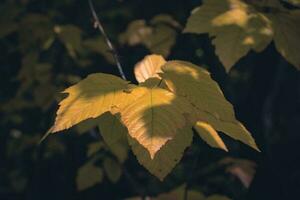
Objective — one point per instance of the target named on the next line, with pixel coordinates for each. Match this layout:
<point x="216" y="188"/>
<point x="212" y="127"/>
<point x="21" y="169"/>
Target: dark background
<point x="263" y="87"/>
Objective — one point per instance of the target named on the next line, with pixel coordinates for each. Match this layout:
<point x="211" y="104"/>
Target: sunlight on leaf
<point x="167" y="157"/>
<point x="89" y="98"/>
<point x="148" y="67"/>
<point x="154" y="117"/>
<point x="209" y="135"/>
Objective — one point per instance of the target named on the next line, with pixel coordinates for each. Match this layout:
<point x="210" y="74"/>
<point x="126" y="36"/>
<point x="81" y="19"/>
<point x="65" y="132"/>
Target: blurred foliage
<point x="46" y="46"/>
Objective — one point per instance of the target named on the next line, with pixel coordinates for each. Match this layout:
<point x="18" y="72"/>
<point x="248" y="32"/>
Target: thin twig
<point x="108" y="42"/>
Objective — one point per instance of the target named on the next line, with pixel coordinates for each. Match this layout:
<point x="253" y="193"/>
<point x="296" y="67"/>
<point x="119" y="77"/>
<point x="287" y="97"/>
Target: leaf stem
<point x="108" y="42"/>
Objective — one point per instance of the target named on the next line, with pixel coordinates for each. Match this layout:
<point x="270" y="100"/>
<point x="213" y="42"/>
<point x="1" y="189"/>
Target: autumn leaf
<point x="167" y="157"/>
<point x="154" y="117"/>
<point x="194" y="83"/>
<point x="148" y="67"/>
<point x="233" y="25"/>
<point x="89" y="98"/>
<point x="209" y="135"/>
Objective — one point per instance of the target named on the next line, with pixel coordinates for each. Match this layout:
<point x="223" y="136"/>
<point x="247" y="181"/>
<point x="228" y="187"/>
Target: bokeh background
<point x="46" y="46"/>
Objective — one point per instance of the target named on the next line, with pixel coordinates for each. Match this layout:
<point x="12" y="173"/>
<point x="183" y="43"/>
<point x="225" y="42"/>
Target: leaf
<point x="94" y="148"/>
<point x="195" y="84"/>
<point x="294" y="2"/>
<point x="233" y="129"/>
<point x="112" y="170"/>
<point x="70" y="36"/>
<point x="167" y="157"/>
<point x="243" y="169"/>
<point x="89" y="98"/>
<point x="209" y="135"/>
<point x="217" y="197"/>
<point x="233" y="25"/>
<point x="88" y="175"/>
<point x="179" y="194"/>
<point x="98" y="45"/>
<point x="286" y="37"/>
<point x="115" y="135"/>
<point x="155" y="116"/>
<point x="148" y="67"/>
<point x="158" y="36"/>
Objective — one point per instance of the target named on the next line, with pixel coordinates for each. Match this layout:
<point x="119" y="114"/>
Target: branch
<point x="108" y="42"/>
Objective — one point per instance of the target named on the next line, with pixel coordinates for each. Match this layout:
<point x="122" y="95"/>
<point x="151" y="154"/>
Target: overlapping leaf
<point x="237" y="27"/>
<point x="210" y="135"/>
<point x="90" y="98"/>
<point x="167" y="157"/>
<point x="195" y="83"/>
<point x="154" y="117"/>
<point x="149" y="67"/>
<point x="114" y="135"/>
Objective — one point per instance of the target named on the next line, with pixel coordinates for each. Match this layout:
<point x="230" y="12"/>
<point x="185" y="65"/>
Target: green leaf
<point x="286" y="37"/>
<point x="88" y="175"/>
<point x="114" y="135"/>
<point x="167" y="157"/>
<point x="112" y="170"/>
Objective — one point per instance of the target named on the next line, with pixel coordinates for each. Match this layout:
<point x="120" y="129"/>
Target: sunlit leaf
<point x="233" y="25"/>
<point x="195" y="84"/>
<point x="154" y="117"/>
<point x="89" y="98"/>
<point x="167" y="157"/>
<point x="148" y="67"/>
<point x="209" y="135"/>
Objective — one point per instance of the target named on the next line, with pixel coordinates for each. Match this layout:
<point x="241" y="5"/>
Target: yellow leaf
<point x="88" y="175"/>
<point x="115" y="135"/>
<point x="148" y="67"/>
<point x="90" y="98"/>
<point x="167" y="157"/>
<point x="195" y="83"/>
<point x="233" y="25"/>
<point x="287" y="30"/>
<point x="112" y="170"/>
<point x="233" y="129"/>
<point x="209" y="135"/>
<point x="154" y="117"/>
